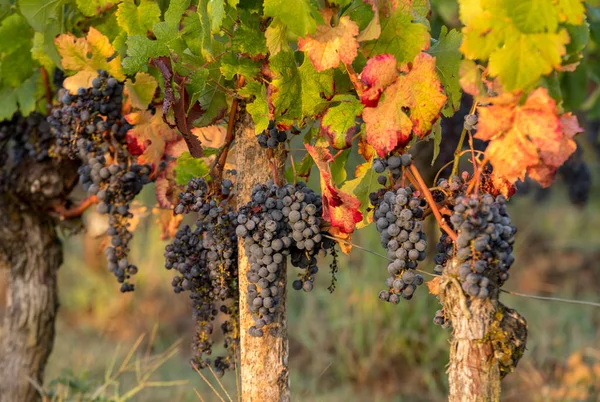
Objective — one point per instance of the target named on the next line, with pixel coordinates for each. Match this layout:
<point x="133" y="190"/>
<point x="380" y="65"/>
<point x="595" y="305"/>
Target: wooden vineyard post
<point x="488" y="339"/>
<point x="263" y="361"/>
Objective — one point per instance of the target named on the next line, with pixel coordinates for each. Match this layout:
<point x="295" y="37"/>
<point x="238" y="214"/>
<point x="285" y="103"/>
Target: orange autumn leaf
<point x="87" y="56"/>
<point x="340" y="209"/>
<point x="527" y="139"/>
<point x="410" y="105"/>
<point x="149" y="136"/>
<point x="330" y="45"/>
<point x="344" y="240"/>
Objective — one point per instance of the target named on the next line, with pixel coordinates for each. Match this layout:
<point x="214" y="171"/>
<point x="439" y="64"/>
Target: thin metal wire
<point x="547" y="298"/>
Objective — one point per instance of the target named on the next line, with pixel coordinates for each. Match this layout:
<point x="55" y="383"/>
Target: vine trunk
<point x="488" y="339"/>
<point x="31" y="256"/>
<point x="263" y="361"/>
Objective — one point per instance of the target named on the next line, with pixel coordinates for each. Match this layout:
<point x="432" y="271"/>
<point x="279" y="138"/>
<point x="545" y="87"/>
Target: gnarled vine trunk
<point x="30" y="257"/>
<point x="264" y="361"/>
<point x="488" y="339"/>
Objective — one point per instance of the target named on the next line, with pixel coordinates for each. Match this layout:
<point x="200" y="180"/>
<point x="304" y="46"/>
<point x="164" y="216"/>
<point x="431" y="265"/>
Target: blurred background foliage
<point x="348" y="346"/>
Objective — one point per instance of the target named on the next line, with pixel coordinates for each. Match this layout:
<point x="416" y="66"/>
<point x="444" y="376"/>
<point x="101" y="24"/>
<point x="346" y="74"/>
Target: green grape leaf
<point x="364" y="183"/>
<point x="248" y="38"/>
<point x="259" y="109"/>
<point x="285" y="90"/>
<point x="139" y="50"/>
<point x="15" y="33"/>
<point x="437" y="140"/>
<point x="26" y="95"/>
<point x="400" y="36"/>
<point x="276" y="36"/>
<point x="298" y="15"/>
<point x="231" y="65"/>
<point x="447" y="62"/>
<point x="40" y="54"/>
<point x="17" y="67"/>
<point x="532" y="16"/>
<point x="137" y="19"/>
<point x="141" y="91"/>
<point x="216" y="12"/>
<point x="8" y="106"/>
<point x="196" y="84"/>
<point x="188" y="167"/>
<point x="339" y="122"/>
<point x="175" y="11"/>
<point x="317" y="87"/>
<point x="524" y="58"/>
<point x="338" y="167"/>
<point x="91" y="8"/>
<point x="521" y="40"/>
<point x="40" y="13"/>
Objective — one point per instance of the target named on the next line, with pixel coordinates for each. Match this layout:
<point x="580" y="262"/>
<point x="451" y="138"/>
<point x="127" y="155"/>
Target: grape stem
<point x="439" y="172"/>
<point x="222" y="156"/>
<point x="427" y="194"/>
<point x="293" y="168"/>
<point x="47" y="86"/>
<point x="77" y="210"/>
<point x="354" y="78"/>
<point x="463" y="133"/>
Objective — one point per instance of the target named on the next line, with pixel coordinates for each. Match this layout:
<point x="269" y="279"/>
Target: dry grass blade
<point x="220" y="383"/>
<point x="199" y="396"/>
<point x="131" y="352"/>
<point x="208" y="383"/>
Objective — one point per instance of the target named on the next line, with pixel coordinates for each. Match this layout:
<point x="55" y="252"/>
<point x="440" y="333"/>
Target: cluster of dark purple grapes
<point x="205" y="260"/>
<point x="88" y="127"/>
<point x="271" y="137"/>
<point x="279" y="221"/>
<point x="30" y="136"/>
<point x="23" y="138"/>
<point x="394" y="163"/>
<point x="88" y="120"/>
<point x="485" y="243"/>
<point x="399" y="219"/>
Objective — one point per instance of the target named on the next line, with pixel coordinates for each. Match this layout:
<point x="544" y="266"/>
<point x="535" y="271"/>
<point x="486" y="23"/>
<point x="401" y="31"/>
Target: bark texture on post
<point x="264" y="361"/>
<point x="31" y="255"/>
<point x="488" y="339"/>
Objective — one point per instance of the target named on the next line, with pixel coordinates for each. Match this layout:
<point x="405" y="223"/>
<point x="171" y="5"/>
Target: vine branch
<point x="222" y="156"/>
<point x="463" y="133"/>
<point x="77" y="210"/>
<point x="354" y="78"/>
<point x="436" y="212"/>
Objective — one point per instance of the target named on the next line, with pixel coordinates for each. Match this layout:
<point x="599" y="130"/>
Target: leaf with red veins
<point x="150" y="135"/>
<point x="380" y="72"/>
<point x="340" y="209"/>
<point x="527" y="139"/>
<point x="410" y="105"/>
<point x="330" y="45"/>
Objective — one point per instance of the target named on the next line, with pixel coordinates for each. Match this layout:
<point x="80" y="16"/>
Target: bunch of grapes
<point x="394" y="163"/>
<point x="272" y="137"/>
<point x="23" y="138"/>
<point x="399" y="219"/>
<point x="279" y="221"/>
<point x="89" y="127"/>
<point x="485" y="243"/>
<point x="205" y="259"/>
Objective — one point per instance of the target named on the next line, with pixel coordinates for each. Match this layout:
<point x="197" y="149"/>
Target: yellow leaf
<point x="87" y="56"/>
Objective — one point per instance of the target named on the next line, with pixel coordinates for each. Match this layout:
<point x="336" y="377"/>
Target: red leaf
<point x="378" y="74"/>
<point x="339" y="208"/>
